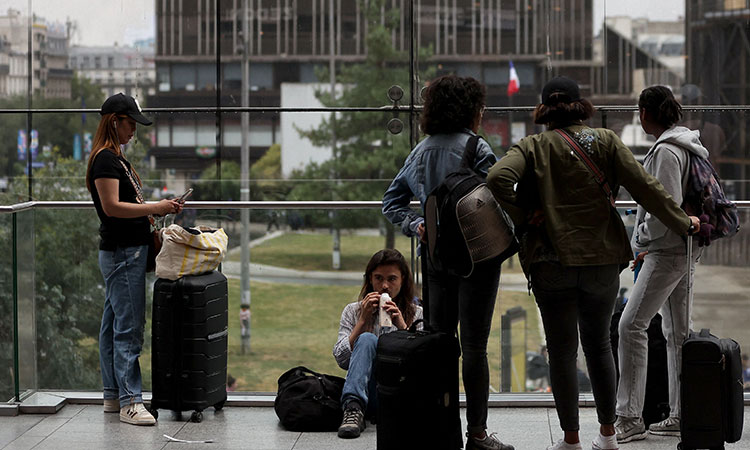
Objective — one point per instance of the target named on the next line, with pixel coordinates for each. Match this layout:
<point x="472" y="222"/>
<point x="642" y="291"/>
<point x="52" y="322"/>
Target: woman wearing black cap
<point x="573" y="242"/>
<point x="125" y="232"/>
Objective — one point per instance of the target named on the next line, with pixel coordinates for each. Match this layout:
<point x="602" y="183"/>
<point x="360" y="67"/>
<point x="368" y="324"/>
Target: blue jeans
<point x="470" y="301"/>
<point x="360" y="382"/>
<point x="123" y="320"/>
<point x="572" y="299"/>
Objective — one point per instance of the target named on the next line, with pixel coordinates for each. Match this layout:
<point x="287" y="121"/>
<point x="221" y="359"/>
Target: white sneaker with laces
<point x="630" y="429"/>
<point x="605" y="442"/>
<point x="136" y="414"/>
<point x="111" y="405"/>
<point x="562" y="445"/>
<point x="667" y="427"/>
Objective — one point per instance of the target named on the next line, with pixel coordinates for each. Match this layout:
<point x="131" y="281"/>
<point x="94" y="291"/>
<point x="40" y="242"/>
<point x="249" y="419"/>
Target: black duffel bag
<point x="309" y="401"/>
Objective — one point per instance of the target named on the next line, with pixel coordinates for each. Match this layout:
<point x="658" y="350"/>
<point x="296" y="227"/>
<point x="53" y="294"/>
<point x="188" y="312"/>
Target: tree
<point x="55" y="130"/>
<point x="365" y="150"/>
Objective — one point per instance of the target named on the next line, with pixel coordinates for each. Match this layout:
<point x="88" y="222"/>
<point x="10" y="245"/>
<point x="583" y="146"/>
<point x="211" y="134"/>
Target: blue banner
<point x="77" y="151"/>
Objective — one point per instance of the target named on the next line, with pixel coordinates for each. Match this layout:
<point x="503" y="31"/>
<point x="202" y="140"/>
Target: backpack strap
<point x="598" y="175"/>
<point x="470" y="152"/>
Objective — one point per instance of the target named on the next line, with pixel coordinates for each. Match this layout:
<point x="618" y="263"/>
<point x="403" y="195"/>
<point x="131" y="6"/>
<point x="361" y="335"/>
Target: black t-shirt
<point x="113" y="231"/>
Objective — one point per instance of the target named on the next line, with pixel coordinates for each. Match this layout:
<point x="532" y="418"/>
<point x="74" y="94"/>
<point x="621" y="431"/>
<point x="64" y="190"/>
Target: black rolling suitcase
<point x="417" y="384"/>
<point x="711" y="387"/>
<point x="189" y="344"/>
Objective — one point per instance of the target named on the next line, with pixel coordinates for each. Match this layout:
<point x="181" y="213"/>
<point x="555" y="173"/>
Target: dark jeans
<point x="573" y="298"/>
<point x="471" y="301"/>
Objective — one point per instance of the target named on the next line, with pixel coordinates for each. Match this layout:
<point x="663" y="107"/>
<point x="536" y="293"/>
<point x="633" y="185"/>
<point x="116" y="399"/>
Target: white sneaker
<point x="605" y="442"/>
<point x="562" y="445"/>
<point x="667" y="427"/>
<point x="629" y="429"/>
<point x="136" y="414"/>
<point x="111" y="405"/>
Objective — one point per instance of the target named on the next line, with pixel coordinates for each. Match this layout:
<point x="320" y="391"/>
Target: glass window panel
<point x="261" y="134"/>
<point x="163" y="134"/>
<point x="163" y="79"/>
<point x="232" y="135"/>
<point x="206" y="134"/>
<point x="261" y="76"/>
<point x="206" y="77"/>
<point x="183" y="77"/>
<point x="183" y="134"/>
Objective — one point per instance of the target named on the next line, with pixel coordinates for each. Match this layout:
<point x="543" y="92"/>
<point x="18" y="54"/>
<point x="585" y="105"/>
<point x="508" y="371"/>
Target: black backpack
<point x="465" y="225"/>
<point x="309" y="401"/>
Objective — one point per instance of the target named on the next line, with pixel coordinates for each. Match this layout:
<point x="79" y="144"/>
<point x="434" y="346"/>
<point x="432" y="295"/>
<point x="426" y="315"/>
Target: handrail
<point x="384" y="108"/>
<point x="372" y="204"/>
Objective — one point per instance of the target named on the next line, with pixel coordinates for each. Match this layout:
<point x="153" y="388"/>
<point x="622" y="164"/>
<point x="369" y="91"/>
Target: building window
<point x="183" y="77"/>
<point x="162" y="135"/>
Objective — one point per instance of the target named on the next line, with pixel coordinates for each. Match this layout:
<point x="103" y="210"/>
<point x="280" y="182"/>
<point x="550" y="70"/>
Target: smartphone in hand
<point x="185" y="196"/>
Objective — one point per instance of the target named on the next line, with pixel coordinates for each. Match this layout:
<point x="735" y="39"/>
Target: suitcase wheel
<point x="219" y="405"/>
<point x="196" y="417"/>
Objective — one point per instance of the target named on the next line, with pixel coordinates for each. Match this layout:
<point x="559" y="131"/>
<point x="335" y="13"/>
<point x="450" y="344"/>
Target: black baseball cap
<point x="124" y="104"/>
<point x="566" y="89"/>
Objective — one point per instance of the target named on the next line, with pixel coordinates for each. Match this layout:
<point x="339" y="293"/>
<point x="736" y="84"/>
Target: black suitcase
<point x="711" y="387"/>
<point x="417" y="384"/>
<point x="189" y="344"/>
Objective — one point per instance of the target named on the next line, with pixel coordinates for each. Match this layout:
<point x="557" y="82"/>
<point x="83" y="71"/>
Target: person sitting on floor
<point x="387" y="272"/>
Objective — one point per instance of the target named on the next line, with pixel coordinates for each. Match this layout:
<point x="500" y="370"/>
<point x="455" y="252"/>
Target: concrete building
<point x="195" y="48"/>
<point x="51" y="75"/>
<point x="718" y="73"/>
<point x="127" y="69"/>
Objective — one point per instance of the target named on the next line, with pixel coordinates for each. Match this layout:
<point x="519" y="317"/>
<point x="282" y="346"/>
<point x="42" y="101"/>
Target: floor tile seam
<point x="299" y="436"/>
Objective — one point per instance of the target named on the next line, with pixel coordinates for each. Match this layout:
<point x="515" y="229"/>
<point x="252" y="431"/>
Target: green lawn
<point x="294" y="324"/>
<point x="297" y="325"/>
<point x="307" y="251"/>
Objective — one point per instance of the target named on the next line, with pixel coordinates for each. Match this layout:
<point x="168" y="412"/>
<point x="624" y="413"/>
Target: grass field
<point x="307" y="251"/>
<point x="294" y="324"/>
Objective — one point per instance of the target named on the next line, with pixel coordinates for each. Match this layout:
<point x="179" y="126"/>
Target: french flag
<point x="513" y="83"/>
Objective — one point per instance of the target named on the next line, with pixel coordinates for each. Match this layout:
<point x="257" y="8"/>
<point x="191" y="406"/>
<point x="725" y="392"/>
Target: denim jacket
<point x="424" y="169"/>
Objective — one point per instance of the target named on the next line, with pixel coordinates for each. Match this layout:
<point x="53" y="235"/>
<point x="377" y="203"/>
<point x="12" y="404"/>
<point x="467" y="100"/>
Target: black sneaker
<point x="353" y="424"/>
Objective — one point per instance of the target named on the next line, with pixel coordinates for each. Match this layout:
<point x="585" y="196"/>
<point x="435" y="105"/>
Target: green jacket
<point x="580" y="228"/>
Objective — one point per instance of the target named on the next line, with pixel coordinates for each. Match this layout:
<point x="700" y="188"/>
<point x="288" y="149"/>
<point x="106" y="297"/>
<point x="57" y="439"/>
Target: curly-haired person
<point x="452" y="113"/>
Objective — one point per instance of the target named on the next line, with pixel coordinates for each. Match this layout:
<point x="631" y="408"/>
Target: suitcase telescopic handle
<point x="689" y="278"/>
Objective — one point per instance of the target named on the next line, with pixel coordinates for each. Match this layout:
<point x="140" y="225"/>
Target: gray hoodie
<point x="668" y="161"/>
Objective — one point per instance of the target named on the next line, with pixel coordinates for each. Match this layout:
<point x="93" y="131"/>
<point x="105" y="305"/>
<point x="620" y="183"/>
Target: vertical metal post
<point x="14" y="246"/>
<point x="245" y="185"/>
<point x="505" y="353"/>
<point x="336" y="254"/>
<point x="29" y="94"/>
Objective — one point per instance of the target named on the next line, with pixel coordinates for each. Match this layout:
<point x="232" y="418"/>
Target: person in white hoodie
<point x="661" y="284"/>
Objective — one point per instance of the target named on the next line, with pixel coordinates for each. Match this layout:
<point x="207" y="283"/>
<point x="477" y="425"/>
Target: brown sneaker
<point x="136" y="414"/>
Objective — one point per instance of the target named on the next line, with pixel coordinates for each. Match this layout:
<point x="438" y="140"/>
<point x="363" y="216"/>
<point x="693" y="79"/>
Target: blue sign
<point x="34" y="143"/>
<point x="77" y="147"/>
<point x="86" y="143"/>
<point x="21" y="145"/>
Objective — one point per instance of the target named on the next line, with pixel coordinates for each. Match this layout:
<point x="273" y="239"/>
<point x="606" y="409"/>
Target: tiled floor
<point x="235" y="427"/>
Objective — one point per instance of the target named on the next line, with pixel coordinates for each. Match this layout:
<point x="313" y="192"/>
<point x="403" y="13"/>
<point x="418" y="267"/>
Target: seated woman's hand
<point x="369" y="305"/>
<point x="395" y="313"/>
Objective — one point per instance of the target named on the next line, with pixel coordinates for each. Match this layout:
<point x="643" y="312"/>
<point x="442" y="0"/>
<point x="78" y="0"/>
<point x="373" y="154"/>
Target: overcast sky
<point x="99" y="22"/>
<point x="103" y="22"/>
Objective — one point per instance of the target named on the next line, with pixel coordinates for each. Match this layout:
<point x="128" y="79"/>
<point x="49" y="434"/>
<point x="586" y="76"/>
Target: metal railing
<point x="15" y="209"/>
